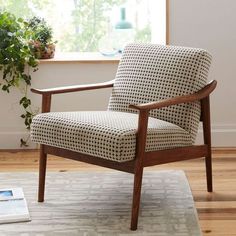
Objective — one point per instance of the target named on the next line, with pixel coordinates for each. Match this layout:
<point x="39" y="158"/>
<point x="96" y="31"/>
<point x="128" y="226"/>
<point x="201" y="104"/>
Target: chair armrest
<point x="177" y="100"/>
<point x="74" y="88"/>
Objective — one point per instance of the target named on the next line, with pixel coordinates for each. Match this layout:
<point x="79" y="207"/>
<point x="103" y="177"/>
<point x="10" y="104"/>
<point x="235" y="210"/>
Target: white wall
<point x="54" y="75"/>
<point x="207" y="24"/>
<point x="210" y="24"/>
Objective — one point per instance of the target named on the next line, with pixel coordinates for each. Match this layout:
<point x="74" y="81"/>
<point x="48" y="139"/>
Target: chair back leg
<point x="42" y="173"/>
<point x="208" y="163"/>
<point x="205" y="105"/>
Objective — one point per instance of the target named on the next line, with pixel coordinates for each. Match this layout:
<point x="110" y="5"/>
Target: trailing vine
<point x="18" y="55"/>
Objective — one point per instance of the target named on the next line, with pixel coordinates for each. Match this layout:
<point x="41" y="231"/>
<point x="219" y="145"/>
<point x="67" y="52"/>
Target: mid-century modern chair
<point x="159" y="96"/>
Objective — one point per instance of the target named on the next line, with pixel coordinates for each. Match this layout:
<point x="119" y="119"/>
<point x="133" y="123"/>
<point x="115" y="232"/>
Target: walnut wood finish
<point x="205" y="107"/>
<point x="175" y="154"/>
<point x="74" y="88"/>
<point x="138" y="166"/>
<point x="121" y="166"/>
<point x="143" y="159"/>
<point x="46" y="105"/>
<point x="42" y="173"/>
<point x="177" y="100"/>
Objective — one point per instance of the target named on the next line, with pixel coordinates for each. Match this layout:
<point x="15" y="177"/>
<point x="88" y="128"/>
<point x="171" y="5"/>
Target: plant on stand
<point x="42" y="39"/>
<point x="18" y="55"/>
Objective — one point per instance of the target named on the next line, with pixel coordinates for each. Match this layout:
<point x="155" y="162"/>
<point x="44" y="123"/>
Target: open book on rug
<point x="13" y="206"/>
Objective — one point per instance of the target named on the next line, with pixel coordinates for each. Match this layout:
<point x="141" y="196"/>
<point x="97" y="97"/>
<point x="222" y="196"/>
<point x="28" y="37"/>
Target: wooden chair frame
<point x="142" y="159"/>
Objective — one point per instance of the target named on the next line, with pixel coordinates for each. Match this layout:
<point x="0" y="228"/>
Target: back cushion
<point x="150" y="72"/>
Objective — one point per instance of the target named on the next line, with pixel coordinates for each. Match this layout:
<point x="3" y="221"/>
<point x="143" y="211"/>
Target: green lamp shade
<point x="123" y="24"/>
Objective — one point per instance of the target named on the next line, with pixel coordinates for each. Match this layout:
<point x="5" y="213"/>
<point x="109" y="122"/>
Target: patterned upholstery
<point x="149" y="72"/>
<point x="105" y="134"/>
<point x="146" y="73"/>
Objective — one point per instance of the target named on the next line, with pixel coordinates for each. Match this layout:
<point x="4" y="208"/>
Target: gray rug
<point x="99" y="203"/>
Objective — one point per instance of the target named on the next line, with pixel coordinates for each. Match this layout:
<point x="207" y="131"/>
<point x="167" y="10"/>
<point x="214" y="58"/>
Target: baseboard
<point x="11" y="140"/>
<point x="222" y="136"/>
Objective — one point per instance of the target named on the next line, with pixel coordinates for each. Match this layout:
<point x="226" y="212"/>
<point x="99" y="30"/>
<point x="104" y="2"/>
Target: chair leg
<point x="136" y="198"/>
<point x="42" y="173"/>
<point x="208" y="163"/>
<point x="205" y="106"/>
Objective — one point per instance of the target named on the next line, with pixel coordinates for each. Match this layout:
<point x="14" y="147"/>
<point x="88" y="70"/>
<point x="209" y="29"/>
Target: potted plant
<point x="22" y="42"/>
<point x="42" y="38"/>
<point x="16" y="59"/>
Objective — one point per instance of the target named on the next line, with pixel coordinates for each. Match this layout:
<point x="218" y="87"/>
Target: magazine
<point x="13" y="206"/>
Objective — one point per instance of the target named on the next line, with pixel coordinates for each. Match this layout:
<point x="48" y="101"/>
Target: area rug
<point x="99" y="203"/>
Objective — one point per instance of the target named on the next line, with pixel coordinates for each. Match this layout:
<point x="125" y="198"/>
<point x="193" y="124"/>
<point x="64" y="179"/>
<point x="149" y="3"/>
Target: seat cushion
<point x="104" y="134"/>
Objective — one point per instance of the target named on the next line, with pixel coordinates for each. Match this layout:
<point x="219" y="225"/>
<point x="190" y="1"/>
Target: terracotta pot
<point x="44" y="52"/>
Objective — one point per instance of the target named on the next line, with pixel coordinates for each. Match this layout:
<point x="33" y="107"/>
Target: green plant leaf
<point x="17" y="55"/>
<point x="23" y="143"/>
<point x="6" y="88"/>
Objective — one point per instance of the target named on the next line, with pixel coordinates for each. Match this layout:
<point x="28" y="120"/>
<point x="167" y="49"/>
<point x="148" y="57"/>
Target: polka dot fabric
<point x="149" y="72"/>
<point x="105" y="134"/>
<point x="146" y="73"/>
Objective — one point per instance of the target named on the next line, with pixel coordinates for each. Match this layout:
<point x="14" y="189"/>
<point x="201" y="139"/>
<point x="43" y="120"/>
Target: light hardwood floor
<point x="217" y="211"/>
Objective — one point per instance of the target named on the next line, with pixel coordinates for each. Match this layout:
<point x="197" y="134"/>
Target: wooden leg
<point x="208" y="163"/>
<point x="136" y="198"/>
<point x="205" y="105"/>
<point x="42" y="173"/>
<point x="138" y="172"/>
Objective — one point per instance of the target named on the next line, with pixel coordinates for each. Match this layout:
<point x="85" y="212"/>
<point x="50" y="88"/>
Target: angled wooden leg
<point x="208" y="163"/>
<point x="46" y="104"/>
<point x="42" y="173"/>
<point x="138" y="171"/>
<point x="136" y="198"/>
<point x="205" y="104"/>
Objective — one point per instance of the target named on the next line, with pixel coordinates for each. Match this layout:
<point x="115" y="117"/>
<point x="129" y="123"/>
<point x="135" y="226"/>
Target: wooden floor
<point x="217" y="211"/>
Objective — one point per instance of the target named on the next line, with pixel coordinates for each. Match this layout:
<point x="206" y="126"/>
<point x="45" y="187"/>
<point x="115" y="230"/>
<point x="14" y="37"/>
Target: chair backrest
<point x="150" y="72"/>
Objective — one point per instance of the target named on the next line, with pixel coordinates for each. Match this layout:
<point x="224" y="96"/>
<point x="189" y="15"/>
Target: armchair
<point x="158" y="97"/>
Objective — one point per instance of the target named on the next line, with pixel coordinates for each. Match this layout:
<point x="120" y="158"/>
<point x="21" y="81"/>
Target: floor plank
<point x="217" y="210"/>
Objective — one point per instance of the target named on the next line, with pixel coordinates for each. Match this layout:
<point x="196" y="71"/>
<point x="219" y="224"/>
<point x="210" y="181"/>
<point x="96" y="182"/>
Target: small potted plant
<point x="42" y="39"/>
